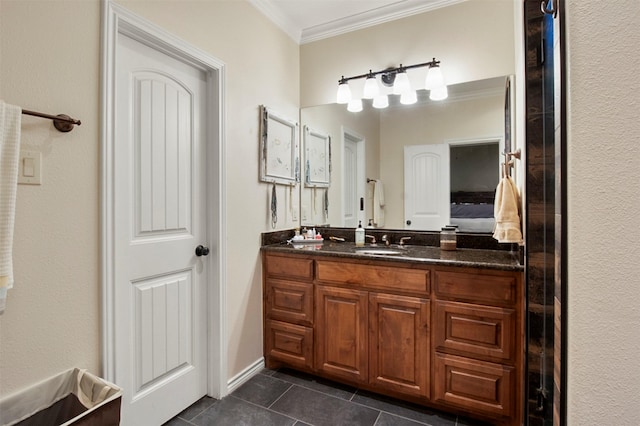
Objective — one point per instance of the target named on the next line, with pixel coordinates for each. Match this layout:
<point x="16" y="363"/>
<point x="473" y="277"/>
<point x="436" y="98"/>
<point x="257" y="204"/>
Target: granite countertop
<point x="420" y="254"/>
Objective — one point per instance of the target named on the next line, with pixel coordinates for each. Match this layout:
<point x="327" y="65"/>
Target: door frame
<point x="482" y="140"/>
<point x="360" y="142"/>
<point x="118" y="20"/>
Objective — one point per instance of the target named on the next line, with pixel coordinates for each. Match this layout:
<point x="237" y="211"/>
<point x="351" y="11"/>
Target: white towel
<point x="10" y="117"/>
<point x="507" y="213"/>
<point x="378" y="203"/>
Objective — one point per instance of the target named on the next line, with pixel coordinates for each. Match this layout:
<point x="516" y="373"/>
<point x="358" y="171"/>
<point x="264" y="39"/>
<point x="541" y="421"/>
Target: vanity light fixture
<point x="354" y="105"/>
<point x="409" y="98"/>
<point x="344" y="92"/>
<point x="397" y="79"/>
<point x="371" y="89"/>
<point x="381" y="101"/>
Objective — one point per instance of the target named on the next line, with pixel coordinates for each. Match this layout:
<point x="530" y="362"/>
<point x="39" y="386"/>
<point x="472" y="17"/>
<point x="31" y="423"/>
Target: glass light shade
<point x="371" y="89"/>
<point x="401" y="84"/>
<point x="439" y="93"/>
<point x="381" y="101"/>
<point x="434" y="78"/>
<point x="408" y="98"/>
<point x="344" y="93"/>
<point x="354" y="105"/>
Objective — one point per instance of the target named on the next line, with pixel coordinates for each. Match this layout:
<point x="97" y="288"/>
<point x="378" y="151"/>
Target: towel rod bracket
<point x="63" y="125"/>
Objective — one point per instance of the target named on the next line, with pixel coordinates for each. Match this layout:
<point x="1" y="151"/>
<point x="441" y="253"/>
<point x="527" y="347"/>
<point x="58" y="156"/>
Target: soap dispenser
<point x="359" y="235"/>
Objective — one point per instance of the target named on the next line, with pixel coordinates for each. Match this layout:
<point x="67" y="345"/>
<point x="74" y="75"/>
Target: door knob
<point x="408" y="222"/>
<point x="202" y="250"/>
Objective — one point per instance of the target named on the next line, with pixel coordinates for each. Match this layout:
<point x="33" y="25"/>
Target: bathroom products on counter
<point x="448" y="238"/>
<point x="359" y="235"/>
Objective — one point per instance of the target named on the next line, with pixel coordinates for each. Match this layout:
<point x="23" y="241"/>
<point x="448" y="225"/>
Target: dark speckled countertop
<point x="472" y="258"/>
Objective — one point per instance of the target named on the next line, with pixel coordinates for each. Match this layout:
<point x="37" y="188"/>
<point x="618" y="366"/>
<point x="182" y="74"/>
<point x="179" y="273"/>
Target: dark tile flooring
<point x="288" y="398"/>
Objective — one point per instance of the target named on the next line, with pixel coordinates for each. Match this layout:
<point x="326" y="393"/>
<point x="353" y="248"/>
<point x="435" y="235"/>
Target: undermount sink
<point x="380" y="251"/>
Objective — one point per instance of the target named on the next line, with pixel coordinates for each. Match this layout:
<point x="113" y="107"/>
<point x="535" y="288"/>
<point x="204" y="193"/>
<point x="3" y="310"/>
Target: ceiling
<point x="310" y="20"/>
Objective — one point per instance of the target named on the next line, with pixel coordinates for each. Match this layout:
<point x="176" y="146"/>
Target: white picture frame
<point x="279" y="148"/>
<point x="317" y="149"/>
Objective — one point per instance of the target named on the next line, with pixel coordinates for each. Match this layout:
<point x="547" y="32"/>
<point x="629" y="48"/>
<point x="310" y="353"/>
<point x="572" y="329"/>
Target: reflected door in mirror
<point x="426" y="186"/>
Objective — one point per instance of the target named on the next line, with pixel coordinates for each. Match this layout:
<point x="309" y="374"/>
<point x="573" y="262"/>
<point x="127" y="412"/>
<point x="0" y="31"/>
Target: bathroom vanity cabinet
<point x="446" y="336"/>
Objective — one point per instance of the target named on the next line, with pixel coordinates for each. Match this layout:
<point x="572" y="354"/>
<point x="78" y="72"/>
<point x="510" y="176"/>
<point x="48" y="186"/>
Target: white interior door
<point x="353" y="179"/>
<point x="160" y="201"/>
<point x="427" y="187"/>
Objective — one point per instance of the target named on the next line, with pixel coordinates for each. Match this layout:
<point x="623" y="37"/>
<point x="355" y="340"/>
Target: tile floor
<point x="288" y="398"/>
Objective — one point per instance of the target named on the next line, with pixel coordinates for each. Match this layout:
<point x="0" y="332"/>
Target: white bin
<point x="74" y="397"/>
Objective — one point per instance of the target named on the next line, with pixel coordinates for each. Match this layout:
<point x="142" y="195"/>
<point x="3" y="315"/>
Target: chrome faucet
<point x="385" y="240"/>
<point x="403" y="239"/>
<point x="373" y="239"/>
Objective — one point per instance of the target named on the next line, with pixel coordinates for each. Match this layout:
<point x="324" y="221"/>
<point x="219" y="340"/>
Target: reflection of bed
<point x="472" y="211"/>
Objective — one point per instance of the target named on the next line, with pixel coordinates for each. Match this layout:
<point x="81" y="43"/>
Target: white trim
<point x="380" y="15"/>
<point x="245" y="375"/>
<point x="118" y="20"/>
<point x="372" y="17"/>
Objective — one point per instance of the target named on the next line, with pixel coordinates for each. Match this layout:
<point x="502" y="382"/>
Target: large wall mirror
<point x="438" y="162"/>
<point x="449" y="151"/>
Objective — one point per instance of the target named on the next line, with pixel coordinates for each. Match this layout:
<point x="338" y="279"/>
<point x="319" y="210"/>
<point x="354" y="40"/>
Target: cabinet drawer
<point x="474" y="385"/>
<point x="289" y="343"/>
<point x="289" y="267"/>
<point x="373" y="276"/>
<point x="477" y="330"/>
<point x="477" y="287"/>
<point x="289" y="301"/>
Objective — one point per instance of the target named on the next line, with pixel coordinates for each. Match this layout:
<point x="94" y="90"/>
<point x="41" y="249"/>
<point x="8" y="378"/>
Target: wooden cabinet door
<point x="477" y="386"/>
<point x="474" y="330"/>
<point x="399" y="344"/>
<point x="289" y="301"/>
<point x="341" y="333"/>
<point x="288" y="343"/>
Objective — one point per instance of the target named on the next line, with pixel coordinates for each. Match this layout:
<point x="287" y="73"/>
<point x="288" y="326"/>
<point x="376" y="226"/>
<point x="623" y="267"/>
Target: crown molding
<point x="277" y="17"/>
<point x="372" y="17"/>
<point x="401" y="9"/>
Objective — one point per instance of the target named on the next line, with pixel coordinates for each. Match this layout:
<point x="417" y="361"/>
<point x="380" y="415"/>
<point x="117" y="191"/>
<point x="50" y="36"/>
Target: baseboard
<point x="239" y="379"/>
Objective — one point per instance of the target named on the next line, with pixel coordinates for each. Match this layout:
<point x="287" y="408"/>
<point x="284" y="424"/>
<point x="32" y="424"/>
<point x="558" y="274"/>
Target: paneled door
<point x="427" y="187"/>
<point x="160" y="207"/>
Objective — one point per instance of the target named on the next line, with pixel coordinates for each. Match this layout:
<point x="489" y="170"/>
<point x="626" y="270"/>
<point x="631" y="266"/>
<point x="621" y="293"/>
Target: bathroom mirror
<point x="379" y="145"/>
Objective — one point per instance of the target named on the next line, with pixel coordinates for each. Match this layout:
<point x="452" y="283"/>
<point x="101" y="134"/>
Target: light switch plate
<point x="30" y="168"/>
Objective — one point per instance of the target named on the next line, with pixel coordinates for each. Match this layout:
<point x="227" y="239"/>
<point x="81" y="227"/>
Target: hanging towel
<point x="274" y="206"/>
<point x="507" y="213"/>
<point x="10" y="117"/>
<point x="378" y="203"/>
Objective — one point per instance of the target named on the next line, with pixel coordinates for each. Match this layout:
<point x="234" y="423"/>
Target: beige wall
<point x="603" y="203"/>
<point x="52" y="320"/>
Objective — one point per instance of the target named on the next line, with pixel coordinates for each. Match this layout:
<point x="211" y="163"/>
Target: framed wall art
<point x="279" y="147"/>
<point x="317" y="149"/>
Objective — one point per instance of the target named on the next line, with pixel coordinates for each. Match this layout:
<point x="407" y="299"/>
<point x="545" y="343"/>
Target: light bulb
<point x="355" y="105"/>
<point x="381" y="101"/>
<point x="434" y="78"/>
<point x="371" y="89"/>
<point x="439" y="93"/>
<point x="408" y="98"/>
<point x="344" y="93"/>
<point x="401" y="84"/>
